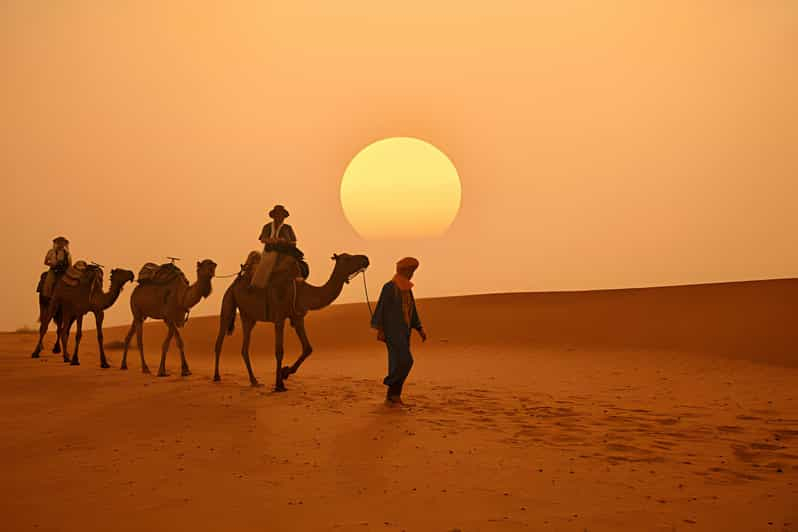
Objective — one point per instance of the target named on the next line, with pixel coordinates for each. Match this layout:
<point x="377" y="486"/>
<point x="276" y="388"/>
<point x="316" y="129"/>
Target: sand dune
<point x="753" y="320"/>
<point x="650" y="409"/>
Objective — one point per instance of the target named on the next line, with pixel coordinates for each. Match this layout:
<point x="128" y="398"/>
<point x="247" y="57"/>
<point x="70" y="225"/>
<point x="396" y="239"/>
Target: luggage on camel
<point x="75" y="272"/>
<point x="82" y="273"/>
<point x="152" y="273"/>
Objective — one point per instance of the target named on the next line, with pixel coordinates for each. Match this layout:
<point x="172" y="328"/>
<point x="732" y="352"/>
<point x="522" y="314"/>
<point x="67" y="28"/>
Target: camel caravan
<point x="270" y="287"/>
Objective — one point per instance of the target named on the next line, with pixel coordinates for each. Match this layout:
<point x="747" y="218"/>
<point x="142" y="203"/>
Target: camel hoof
<point x="255" y="384"/>
<point x="123" y="366"/>
<point x="146" y="370"/>
<point x="216" y="378"/>
<point x="34" y="355"/>
<point x="185" y="373"/>
<point x="105" y="365"/>
<point x="280" y="389"/>
<point x="286" y="371"/>
<point x="56" y="349"/>
<point x="74" y="363"/>
<point x="163" y="374"/>
<point x="67" y="360"/>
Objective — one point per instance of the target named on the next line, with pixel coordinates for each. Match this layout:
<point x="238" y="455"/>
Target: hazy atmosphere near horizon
<point x="653" y="143"/>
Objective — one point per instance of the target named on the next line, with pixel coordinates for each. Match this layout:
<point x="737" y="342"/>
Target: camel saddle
<point x="288" y="251"/>
<point x="81" y="272"/>
<point x="152" y="273"/>
<point x="282" y="288"/>
<point x="287" y="265"/>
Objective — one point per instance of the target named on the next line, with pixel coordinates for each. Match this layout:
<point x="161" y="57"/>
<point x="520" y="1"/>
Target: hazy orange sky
<point x="600" y="144"/>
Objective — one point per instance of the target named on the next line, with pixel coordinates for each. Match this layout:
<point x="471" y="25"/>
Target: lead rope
<point x="366" y="290"/>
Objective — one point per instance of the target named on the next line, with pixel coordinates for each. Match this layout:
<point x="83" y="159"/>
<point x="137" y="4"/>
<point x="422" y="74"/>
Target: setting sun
<point x="400" y="187"/>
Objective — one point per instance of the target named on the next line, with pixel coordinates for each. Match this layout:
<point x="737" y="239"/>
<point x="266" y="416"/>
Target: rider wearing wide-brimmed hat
<point x="276" y="232"/>
<point x="58" y="259"/>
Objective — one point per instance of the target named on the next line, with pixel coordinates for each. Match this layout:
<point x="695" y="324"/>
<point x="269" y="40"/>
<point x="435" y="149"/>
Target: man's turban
<point x="407" y="263"/>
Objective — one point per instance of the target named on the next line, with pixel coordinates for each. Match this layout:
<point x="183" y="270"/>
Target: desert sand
<point x="650" y="409"/>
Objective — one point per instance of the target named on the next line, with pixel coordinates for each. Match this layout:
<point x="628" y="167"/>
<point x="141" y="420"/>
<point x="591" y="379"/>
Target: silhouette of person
<point x="394" y="318"/>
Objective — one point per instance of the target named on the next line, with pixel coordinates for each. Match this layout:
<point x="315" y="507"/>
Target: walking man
<point x="394" y="318"/>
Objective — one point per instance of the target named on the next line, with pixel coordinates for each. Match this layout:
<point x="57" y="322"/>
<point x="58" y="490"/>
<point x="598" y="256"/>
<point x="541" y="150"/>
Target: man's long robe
<point x="396" y="321"/>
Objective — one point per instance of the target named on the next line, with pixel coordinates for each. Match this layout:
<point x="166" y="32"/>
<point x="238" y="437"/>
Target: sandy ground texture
<point x="657" y="409"/>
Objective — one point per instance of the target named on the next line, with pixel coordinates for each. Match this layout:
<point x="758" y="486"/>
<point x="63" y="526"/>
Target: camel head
<point x="206" y="270"/>
<point x="350" y="265"/>
<point x="120" y="277"/>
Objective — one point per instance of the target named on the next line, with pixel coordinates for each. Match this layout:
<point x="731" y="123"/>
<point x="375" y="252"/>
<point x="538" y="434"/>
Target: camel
<point x="298" y="297"/>
<point x="167" y="296"/>
<point x="74" y="302"/>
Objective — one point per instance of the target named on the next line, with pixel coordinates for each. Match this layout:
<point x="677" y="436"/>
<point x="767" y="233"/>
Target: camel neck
<point x="195" y="292"/>
<point x="106" y="299"/>
<point x="315" y="297"/>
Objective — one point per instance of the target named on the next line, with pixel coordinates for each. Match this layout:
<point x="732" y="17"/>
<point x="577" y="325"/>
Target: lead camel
<point x="296" y="300"/>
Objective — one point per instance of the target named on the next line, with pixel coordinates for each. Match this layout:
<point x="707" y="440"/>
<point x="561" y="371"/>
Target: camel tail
<point x="232" y="325"/>
<point x="229" y="310"/>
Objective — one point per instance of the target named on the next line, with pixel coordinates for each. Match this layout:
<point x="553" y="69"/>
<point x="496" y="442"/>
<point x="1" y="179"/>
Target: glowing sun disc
<point x="400" y="187"/>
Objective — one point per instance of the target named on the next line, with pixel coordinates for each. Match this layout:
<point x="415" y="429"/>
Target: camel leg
<point x="45" y="322"/>
<point x="57" y="344"/>
<point x="279" y="331"/>
<point x="66" y="326"/>
<point x="98" y="318"/>
<point x="227" y="318"/>
<point x="184" y="371"/>
<point x="307" y="349"/>
<point x="162" y="368"/>
<point x="140" y="340"/>
<point x="246" y="327"/>
<point x="218" y="352"/>
<point x="128" y="337"/>
<point x="46" y="315"/>
<point x="78" y="336"/>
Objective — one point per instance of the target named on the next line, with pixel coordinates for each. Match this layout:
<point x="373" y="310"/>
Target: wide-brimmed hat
<point x="407" y="263"/>
<point x="60" y="240"/>
<point x="278" y="209"/>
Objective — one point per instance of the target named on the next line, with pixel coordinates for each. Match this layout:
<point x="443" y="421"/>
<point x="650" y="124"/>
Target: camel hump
<point x="81" y="272"/>
<point x="152" y="273"/>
